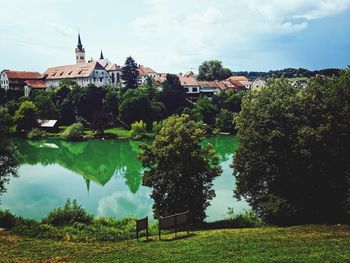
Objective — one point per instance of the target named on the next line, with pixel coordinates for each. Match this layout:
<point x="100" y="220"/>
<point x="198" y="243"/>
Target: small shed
<point x="48" y="125"/>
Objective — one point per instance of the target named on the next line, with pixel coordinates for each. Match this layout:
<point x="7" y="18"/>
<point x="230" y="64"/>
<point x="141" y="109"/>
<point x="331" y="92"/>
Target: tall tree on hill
<point x="213" y="70"/>
<point x="173" y="95"/>
<point x="130" y="74"/>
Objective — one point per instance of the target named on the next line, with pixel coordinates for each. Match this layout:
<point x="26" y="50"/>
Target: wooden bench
<point x="142" y="224"/>
<point x="173" y="222"/>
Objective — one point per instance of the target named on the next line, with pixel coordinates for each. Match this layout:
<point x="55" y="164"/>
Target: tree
<point x="44" y="102"/>
<point x="225" y="121"/>
<point x="205" y="110"/>
<point x="213" y="70"/>
<point x="179" y="170"/>
<point x="26" y="116"/>
<point x="130" y="74"/>
<point x="292" y="162"/>
<point x="173" y="95"/>
<point x="100" y="122"/>
<point x="135" y="106"/>
<point x="8" y="154"/>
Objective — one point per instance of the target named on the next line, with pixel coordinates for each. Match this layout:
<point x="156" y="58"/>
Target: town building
<point x="258" y="84"/>
<point x="145" y="72"/>
<point x="17" y="82"/>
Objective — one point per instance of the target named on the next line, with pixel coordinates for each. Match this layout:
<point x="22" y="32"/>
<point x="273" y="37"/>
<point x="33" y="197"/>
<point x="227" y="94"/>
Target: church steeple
<point x="101" y="55"/>
<point x="79" y="52"/>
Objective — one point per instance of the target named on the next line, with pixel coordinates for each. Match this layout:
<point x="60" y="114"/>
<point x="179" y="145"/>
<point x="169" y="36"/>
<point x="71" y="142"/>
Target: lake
<point x="104" y="176"/>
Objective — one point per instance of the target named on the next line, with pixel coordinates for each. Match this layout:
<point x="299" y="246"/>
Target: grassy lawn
<point x="315" y="243"/>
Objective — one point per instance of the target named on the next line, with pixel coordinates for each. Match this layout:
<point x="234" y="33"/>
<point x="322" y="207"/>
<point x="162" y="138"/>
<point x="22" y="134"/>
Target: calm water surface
<point x="104" y="176"/>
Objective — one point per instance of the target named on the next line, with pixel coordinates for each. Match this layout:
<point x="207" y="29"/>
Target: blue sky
<point x="176" y="36"/>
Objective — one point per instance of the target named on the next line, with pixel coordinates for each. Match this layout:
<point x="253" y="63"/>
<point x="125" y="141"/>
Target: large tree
<point x="292" y="164"/>
<point x="213" y="70"/>
<point x="135" y="106"/>
<point x="130" y="74"/>
<point x="179" y="170"/>
<point x="8" y="154"/>
<point x="26" y="116"/>
<point x="173" y="94"/>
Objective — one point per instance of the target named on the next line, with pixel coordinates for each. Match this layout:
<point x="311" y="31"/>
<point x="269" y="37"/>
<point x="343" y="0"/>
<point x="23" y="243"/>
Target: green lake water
<point x="104" y="176"/>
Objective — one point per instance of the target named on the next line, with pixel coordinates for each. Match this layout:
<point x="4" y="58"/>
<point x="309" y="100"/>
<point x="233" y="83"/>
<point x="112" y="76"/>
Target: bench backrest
<point x="142" y="224"/>
<point x="173" y="220"/>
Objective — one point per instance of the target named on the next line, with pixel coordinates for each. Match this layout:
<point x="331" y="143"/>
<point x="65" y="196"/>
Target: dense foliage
<point x="70" y="213"/>
<point x="130" y="74"/>
<point x="292" y="164"/>
<point x="288" y="73"/>
<point x="74" y="132"/>
<point x="213" y="70"/>
<point x="173" y="95"/>
<point x="26" y="116"/>
<point x="179" y="170"/>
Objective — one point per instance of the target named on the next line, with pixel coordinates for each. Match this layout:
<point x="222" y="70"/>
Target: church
<point x="99" y="72"/>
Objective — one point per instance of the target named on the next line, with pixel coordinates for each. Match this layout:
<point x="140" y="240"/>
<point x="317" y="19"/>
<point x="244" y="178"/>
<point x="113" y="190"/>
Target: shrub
<point x="36" y="134"/>
<point x="138" y="129"/>
<point x="156" y="126"/>
<point x="7" y="220"/>
<point x="71" y="213"/>
<point x="246" y="219"/>
<point x="74" y="132"/>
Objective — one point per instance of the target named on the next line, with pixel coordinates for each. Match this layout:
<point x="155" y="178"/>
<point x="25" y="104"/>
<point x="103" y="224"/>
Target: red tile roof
<point x="22" y="74"/>
<point x="36" y="84"/>
<point x="145" y="70"/>
<point x="237" y="78"/>
<point x="188" y="81"/>
<point x="81" y="70"/>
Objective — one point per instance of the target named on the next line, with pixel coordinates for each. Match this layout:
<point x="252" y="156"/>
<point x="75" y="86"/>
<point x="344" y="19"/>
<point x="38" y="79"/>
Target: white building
<point x="82" y="73"/>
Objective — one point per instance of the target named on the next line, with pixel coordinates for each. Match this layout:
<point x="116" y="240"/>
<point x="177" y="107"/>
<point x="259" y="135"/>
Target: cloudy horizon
<point x="253" y="35"/>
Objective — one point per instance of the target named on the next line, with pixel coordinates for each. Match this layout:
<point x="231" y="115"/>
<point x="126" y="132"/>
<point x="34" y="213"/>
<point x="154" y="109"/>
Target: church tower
<point x="79" y="52"/>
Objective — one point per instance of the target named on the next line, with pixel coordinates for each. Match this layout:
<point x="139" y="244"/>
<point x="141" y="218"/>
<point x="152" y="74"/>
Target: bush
<point x="36" y="134"/>
<point x="245" y="219"/>
<point x="74" y="132"/>
<point x="138" y="129"/>
<point x="7" y="220"/>
<point x="156" y="126"/>
<point x="71" y="213"/>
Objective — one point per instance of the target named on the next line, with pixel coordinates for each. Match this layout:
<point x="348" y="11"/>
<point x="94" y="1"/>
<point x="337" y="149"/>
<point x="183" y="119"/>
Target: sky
<point x="177" y="36"/>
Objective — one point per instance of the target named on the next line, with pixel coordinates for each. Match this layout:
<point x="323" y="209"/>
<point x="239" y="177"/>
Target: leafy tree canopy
<point x="179" y="170"/>
<point x="292" y="163"/>
<point x="213" y="70"/>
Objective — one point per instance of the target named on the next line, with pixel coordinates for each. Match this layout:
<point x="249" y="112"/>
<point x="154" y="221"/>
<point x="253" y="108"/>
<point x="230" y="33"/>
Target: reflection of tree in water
<point x="224" y="146"/>
<point x="99" y="161"/>
<point x="95" y="160"/>
<point x="8" y="163"/>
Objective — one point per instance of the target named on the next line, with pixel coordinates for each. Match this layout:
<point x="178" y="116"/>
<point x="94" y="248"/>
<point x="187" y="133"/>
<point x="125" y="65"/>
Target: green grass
<point x="120" y="132"/>
<point x="314" y="243"/>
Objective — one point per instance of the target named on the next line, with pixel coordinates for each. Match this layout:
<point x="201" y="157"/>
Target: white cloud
<point x="187" y="32"/>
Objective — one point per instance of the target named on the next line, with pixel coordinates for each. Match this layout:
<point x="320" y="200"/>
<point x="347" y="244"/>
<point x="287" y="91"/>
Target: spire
<point x="87" y="182"/>
<point x="79" y="46"/>
<point x="101" y="56"/>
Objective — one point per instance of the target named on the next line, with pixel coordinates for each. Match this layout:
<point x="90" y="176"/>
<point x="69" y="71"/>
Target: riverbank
<point x="312" y="243"/>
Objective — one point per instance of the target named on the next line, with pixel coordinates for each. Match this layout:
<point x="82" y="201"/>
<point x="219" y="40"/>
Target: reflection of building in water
<point x="96" y="161"/>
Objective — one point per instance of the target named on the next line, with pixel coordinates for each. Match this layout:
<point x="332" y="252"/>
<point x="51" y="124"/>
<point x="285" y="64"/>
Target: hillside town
<point x="102" y="72"/>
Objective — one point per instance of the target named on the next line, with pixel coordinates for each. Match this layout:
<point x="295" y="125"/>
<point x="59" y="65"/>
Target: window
<point x="70" y="72"/>
<point x="194" y="89"/>
<point x="101" y="79"/>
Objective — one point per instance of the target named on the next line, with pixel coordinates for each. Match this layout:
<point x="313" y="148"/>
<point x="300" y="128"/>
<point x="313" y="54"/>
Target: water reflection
<point x="109" y="181"/>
